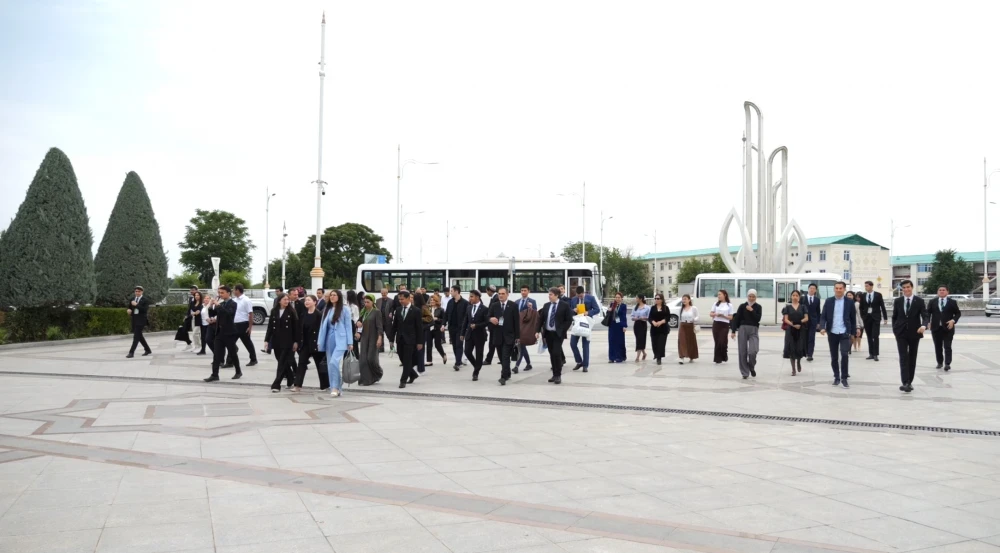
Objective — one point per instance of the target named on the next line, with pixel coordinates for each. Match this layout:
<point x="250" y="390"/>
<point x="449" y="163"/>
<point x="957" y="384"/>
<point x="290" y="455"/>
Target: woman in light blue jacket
<point x="336" y="336"/>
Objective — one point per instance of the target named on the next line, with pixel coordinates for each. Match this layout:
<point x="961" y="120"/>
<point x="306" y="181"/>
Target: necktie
<point x="869" y="298"/>
<point x="942" y="306"/>
<point x="552" y="314"/>
<point x="404" y="312"/>
<point x="522" y="305"/>
<point x="907" y="310"/>
<point x="474" y="307"/>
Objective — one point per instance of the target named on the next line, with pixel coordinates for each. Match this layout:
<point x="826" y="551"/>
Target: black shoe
<point x="502" y="381"/>
<point x="939" y="366"/>
<point x="553" y="379"/>
<point x="413" y="379"/>
<point x="515" y="370"/>
<point x="578" y="366"/>
<point x="557" y="381"/>
<point x="488" y="362"/>
<point x="475" y="378"/>
<point x="200" y="353"/>
<point x="252" y="363"/>
<point x="947" y="368"/>
<point x="456" y="367"/>
<point x="809" y="359"/>
<point x="658" y="362"/>
<point x="909" y="388"/>
<point x="129" y="356"/>
<point x="876" y="357"/>
<point x="585" y="369"/>
<point x="212" y="378"/>
<point x="870" y="358"/>
<point x="746" y="376"/>
<point x="836" y="382"/>
<point x="237" y="376"/>
<point x="845" y="384"/>
<point x="753" y="373"/>
<point x="421" y="371"/>
<point x="528" y="368"/>
<point x="902" y="388"/>
<point x="402" y="384"/>
<point x="227" y="366"/>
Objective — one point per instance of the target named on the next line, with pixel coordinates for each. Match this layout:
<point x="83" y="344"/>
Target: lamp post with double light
<point x="447" y="239"/>
<point x="986" y="251"/>
<point x="267" y="238"/>
<point x="892" y="244"/>
<point x="402" y="219"/>
<point x="400" y="166"/>
<point x="600" y="280"/>
<point x="583" y="205"/>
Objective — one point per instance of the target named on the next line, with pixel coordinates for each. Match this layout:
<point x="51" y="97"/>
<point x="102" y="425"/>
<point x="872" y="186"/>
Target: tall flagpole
<point x="317" y="272"/>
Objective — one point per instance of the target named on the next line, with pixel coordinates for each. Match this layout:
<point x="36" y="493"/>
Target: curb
<point x="89" y="340"/>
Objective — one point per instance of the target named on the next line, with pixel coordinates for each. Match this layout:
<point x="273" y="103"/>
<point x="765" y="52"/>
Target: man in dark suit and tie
<point x="137" y="309"/>
<point x="839" y="322"/>
<point x="454" y="320"/>
<point x="873" y="314"/>
<point x="813" y="306"/>
<point x="491" y="291"/>
<point x="226" y="333"/>
<point x="526" y="304"/>
<point x="408" y="326"/>
<point x="944" y="313"/>
<point x="505" y="325"/>
<point x="474" y="332"/>
<point x="554" y="321"/>
<point x="909" y="320"/>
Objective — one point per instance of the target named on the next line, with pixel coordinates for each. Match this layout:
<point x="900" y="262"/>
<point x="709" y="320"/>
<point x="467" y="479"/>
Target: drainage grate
<point x="550" y="403"/>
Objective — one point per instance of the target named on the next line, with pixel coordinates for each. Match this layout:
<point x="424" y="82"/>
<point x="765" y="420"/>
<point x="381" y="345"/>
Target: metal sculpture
<point x="772" y="249"/>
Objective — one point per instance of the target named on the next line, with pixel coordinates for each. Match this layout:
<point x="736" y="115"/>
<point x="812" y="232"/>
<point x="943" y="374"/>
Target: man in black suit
<point x="408" y="326"/>
<point x="563" y="298"/>
<point x="812" y="301"/>
<point x="137" y="309"/>
<point x="554" y="321"/>
<point x="873" y="314"/>
<point x="944" y="313"/>
<point x="226" y="333"/>
<point x="491" y="291"/>
<point x="474" y="332"/>
<point x="505" y="331"/>
<point x="454" y="320"/>
<point x="909" y="320"/>
<point x="384" y="305"/>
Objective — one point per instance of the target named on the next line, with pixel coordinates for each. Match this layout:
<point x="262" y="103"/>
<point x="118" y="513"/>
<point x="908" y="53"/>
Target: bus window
<point x="397" y="279"/>
<point x="764" y="287"/>
<point x="524" y="278"/>
<point x="493" y="277"/>
<point x="548" y="279"/>
<point x="431" y="280"/>
<point x="709" y="287"/>
<point x="372" y="281"/>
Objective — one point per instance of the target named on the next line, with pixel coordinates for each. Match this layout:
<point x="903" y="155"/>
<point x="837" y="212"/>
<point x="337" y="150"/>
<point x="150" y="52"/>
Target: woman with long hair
<point x="311" y="320"/>
<point x="426" y="317"/>
<point x="617" y="330"/>
<point x="795" y="320"/>
<point x="856" y="338"/>
<point x="195" y="313"/>
<point x="659" y="327"/>
<point x="369" y="340"/>
<point x="207" y="329"/>
<point x="336" y="337"/>
<point x="284" y="333"/>
<point x="722" y="315"/>
<point x="687" y="339"/>
<point x="352" y="302"/>
<point x="640" y="316"/>
<point x="436" y="335"/>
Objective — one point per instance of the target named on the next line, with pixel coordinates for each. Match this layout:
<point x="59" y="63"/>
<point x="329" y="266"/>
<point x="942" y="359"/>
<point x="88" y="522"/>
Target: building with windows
<point x="851" y="257"/>
<point x="918" y="268"/>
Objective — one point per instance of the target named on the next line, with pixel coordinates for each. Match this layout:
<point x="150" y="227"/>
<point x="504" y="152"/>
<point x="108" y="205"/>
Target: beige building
<point x="851" y="257"/>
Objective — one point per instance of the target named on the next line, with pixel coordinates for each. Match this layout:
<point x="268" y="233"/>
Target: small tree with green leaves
<point x="47" y="257"/>
<point x="131" y="252"/>
<point x="953" y="271"/>
<point x="232" y="278"/>
<point x="215" y="234"/>
<point x="187" y="280"/>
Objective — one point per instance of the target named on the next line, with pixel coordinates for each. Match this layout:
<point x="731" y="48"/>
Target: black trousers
<point x="907" y="347"/>
<point x="225" y="343"/>
<point x="554" y="342"/>
<point x="942" y="345"/>
<point x="207" y="338"/>
<point x="872" y="330"/>
<point x="474" y="343"/>
<point x="810" y="338"/>
<point x="505" y="348"/>
<point x="840" y="352"/>
<point x="137" y="338"/>
<point x="406" y="356"/>
<point x="456" y="345"/>
<point x="659" y="345"/>
<point x="285" y="369"/>
<point x="434" y="341"/>
<point x="319" y="358"/>
<point x="492" y="350"/>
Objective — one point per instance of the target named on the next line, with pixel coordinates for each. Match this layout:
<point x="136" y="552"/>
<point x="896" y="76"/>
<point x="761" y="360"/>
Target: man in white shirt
<point x="244" y="324"/>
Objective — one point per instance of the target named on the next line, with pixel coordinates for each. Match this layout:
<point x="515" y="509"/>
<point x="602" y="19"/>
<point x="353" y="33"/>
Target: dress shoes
<point x="129" y="356"/>
<point x="145" y="353"/>
<point x="836" y="382"/>
<point x="237" y="376"/>
<point x="528" y="368"/>
<point x="947" y="368"/>
<point x="503" y="382"/>
<point x="212" y="378"/>
<point x="578" y="366"/>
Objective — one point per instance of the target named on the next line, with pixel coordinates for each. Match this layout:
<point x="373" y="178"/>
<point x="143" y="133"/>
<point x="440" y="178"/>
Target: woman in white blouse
<point x="687" y="341"/>
<point x="722" y="314"/>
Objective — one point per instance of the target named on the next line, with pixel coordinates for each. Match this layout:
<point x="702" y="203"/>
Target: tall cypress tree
<point x="131" y="252"/>
<point x="47" y="258"/>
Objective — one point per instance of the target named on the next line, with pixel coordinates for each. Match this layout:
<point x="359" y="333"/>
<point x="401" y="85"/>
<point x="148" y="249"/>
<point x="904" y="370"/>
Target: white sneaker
<point x="188" y="348"/>
<point x="335" y="393"/>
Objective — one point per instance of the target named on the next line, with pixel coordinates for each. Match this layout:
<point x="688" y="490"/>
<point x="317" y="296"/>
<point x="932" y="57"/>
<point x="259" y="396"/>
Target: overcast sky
<point x="887" y="108"/>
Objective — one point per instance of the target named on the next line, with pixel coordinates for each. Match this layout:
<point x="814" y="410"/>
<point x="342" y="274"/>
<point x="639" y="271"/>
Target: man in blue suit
<point x="839" y="323"/>
<point x="592" y="310"/>
<point x="526" y="304"/>
<point x="812" y="300"/>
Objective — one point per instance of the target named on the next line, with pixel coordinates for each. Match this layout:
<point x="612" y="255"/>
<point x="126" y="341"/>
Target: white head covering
<point x="751" y="292"/>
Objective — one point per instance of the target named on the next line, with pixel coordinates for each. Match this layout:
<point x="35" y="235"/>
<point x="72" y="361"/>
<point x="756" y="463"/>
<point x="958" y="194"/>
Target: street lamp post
<point x="402" y="219"/>
<point x="399" y="203"/>
<point x="892" y="244"/>
<point x="317" y="272"/>
<point x="601" y="269"/>
<point x="284" y="252"/>
<point x="654" y="260"/>
<point x="267" y="238"/>
<point x="583" y="204"/>
<point x="447" y="239"/>
<point x="986" y="252"/>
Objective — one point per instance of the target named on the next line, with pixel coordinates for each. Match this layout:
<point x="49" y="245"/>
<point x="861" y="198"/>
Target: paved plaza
<point x="107" y="454"/>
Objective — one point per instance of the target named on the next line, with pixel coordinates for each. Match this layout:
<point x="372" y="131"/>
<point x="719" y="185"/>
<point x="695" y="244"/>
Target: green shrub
<point x="44" y="323"/>
<point x="53" y="333"/>
<point x="3" y="335"/>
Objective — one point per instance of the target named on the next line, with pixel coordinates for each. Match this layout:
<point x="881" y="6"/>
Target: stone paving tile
<point x="265" y="530"/>
<point x="167" y="512"/>
<point x="400" y="540"/>
<point x="963" y="523"/>
<point x="80" y="541"/>
<point x="362" y="520"/>
<point x="53" y="520"/>
<point x="477" y="537"/>
<point x="163" y="538"/>
<point x="900" y="534"/>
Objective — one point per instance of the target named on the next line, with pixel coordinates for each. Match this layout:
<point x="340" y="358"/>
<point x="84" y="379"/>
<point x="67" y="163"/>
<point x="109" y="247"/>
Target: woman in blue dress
<point x="617" y="329"/>
<point x="336" y="337"/>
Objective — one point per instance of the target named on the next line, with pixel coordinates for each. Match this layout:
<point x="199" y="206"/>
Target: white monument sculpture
<point x="772" y="251"/>
<point x="215" y="267"/>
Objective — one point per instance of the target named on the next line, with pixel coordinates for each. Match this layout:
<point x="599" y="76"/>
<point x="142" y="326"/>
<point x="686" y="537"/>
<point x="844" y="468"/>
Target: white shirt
<point x="244" y="309"/>
<point x="355" y="315"/>
<point x="721" y="310"/>
<point x="690" y="315"/>
<point x="204" y="315"/>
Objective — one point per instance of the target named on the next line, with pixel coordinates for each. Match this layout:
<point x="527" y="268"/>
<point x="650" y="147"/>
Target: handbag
<point x="581" y="327"/>
<point x="350" y="368"/>
<point x="784" y="326"/>
<point x="515" y="354"/>
<point x="608" y="317"/>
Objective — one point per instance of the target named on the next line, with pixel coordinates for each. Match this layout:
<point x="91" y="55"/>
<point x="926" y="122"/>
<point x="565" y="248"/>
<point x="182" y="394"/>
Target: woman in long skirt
<point x="617" y="330"/>
<point x="284" y="334"/>
<point x="335" y="337"/>
<point x="722" y="315"/>
<point x="659" y="327"/>
<point x="687" y="340"/>
<point x="369" y="339"/>
<point x="309" y="350"/>
<point x="640" y="314"/>
<point x="795" y="319"/>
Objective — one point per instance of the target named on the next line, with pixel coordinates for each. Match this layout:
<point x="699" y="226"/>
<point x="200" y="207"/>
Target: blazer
<point x="905" y="325"/>
<point x="850" y="315"/>
<point x="813" y="309"/>
<point x="225" y="316"/>
<point x="742" y="317"/>
<point x="284" y="331"/>
<point x="588" y="302"/>
<point x="408" y="330"/>
<point x="480" y="320"/>
<point x="877" y="305"/>
<point x="564" y="318"/>
<point x="310" y="332"/>
<point x="139" y="311"/>
<point x="343" y="330"/>
<point x="511" y="329"/>
<point x="620" y="317"/>
<point x="456" y="314"/>
<point x="528" y="302"/>
<point x="939" y="319"/>
<point x="384" y="305"/>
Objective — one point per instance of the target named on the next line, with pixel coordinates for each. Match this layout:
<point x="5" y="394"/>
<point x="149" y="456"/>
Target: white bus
<point x="538" y="275"/>
<point x="773" y="290"/>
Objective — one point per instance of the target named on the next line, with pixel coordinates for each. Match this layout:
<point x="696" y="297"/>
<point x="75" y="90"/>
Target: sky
<point x="887" y="109"/>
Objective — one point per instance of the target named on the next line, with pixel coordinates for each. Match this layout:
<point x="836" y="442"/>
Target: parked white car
<point x="993" y="307"/>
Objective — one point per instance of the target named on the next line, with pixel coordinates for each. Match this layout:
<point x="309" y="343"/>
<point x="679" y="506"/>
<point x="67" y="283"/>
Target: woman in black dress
<point x="795" y="322"/>
<point x="283" y="336"/>
<point x="436" y="335"/>
<point x="659" y="327"/>
<point x="311" y="320"/>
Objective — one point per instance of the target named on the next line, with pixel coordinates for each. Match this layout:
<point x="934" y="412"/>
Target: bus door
<point x="584" y="281"/>
<point x="782" y="296"/>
